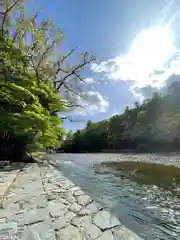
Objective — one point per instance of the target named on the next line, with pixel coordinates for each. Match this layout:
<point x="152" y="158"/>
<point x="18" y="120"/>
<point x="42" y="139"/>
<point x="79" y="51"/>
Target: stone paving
<point x="43" y="204"/>
<point x="7" y="176"/>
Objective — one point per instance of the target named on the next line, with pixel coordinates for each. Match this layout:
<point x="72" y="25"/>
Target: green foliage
<point x="28" y="112"/>
<point x="28" y="104"/>
<point x="35" y="79"/>
<point x="151" y="126"/>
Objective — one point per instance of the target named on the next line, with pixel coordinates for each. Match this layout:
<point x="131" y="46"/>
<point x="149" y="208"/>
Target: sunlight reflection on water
<point x="146" y="208"/>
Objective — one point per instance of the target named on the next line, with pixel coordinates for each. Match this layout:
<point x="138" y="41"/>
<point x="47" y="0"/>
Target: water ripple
<point x="146" y="198"/>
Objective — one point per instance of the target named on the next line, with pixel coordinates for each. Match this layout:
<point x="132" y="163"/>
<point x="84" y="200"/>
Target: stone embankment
<point x="42" y="204"/>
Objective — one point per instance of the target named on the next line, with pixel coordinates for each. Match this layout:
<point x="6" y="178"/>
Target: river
<point x="146" y="198"/>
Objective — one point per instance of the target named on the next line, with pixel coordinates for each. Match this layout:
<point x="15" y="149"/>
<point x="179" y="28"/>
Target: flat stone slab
<point x="90" y="209"/>
<point x="68" y="196"/>
<point x="24" y="204"/>
<point x="58" y="224"/>
<point x="6" y="179"/>
<point x="76" y="188"/>
<point x="91" y="232"/>
<point x="57" y="209"/>
<point x="63" y="221"/>
<point x="107" y="235"/>
<point x="105" y="220"/>
<point x="33" y="216"/>
<point x="75" y="208"/>
<point x="78" y="193"/>
<point x="84" y="200"/>
<point x="10" y="227"/>
<point x="81" y="222"/>
<point x="69" y="216"/>
<point x="69" y="233"/>
<point x="39" y="231"/>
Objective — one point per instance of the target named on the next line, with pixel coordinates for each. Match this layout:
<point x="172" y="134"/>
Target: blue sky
<point x="107" y="28"/>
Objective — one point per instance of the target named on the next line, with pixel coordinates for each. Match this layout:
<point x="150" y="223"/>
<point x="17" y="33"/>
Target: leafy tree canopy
<point x="36" y="82"/>
<point x="151" y="126"/>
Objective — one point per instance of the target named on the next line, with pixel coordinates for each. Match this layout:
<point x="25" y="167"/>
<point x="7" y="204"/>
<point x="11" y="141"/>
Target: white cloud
<point x="89" y="80"/>
<point x="92" y="103"/>
<point x="109" y="67"/>
<point x="145" y="63"/>
<point x="120" y="68"/>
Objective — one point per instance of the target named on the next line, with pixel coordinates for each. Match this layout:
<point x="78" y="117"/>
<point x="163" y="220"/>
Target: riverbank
<point x="114" y="151"/>
<point x="43" y="204"/>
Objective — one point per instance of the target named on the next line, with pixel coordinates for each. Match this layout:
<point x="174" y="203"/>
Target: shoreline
<point x="121" y="152"/>
<point x="43" y="202"/>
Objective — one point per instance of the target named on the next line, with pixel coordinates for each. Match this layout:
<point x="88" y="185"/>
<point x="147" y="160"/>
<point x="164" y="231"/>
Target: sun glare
<point x="150" y="50"/>
<point x="153" y="47"/>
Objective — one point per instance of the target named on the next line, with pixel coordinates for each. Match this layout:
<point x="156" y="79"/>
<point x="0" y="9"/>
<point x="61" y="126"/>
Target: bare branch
<point x="67" y="55"/>
<point x="71" y="105"/>
<point x="34" y="17"/>
<point x="72" y="120"/>
<point x="6" y="13"/>
<point x="60" y="62"/>
<point x="44" y="54"/>
<point x="21" y="29"/>
<point x="16" y="34"/>
<point x="79" y="77"/>
<point x="74" y="71"/>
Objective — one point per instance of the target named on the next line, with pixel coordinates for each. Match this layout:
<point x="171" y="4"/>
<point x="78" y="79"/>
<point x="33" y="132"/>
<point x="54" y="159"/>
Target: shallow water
<point x="146" y="198"/>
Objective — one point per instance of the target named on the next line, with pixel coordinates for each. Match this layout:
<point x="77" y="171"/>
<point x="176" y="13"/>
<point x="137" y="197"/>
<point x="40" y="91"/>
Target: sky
<point x="136" y="43"/>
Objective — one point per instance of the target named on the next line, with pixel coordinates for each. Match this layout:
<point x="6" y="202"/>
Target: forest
<point x="151" y="126"/>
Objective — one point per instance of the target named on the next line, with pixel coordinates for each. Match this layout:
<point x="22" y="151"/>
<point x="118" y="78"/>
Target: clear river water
<point x="145" y="197"/>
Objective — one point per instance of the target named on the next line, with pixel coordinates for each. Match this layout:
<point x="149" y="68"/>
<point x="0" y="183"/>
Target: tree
<point x="89" y="123"/>
<point x="69" y="135"/>
<point x="45" y="59"/>
<point x="33" y="87"/>
<point x="27" y="107"/>
<point x="136" y="104"/>
<point x="153" y="125"/>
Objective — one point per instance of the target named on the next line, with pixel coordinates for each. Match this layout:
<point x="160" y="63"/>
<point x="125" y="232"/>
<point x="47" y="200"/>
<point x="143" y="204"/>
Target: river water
<point x="148" y="203"/>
